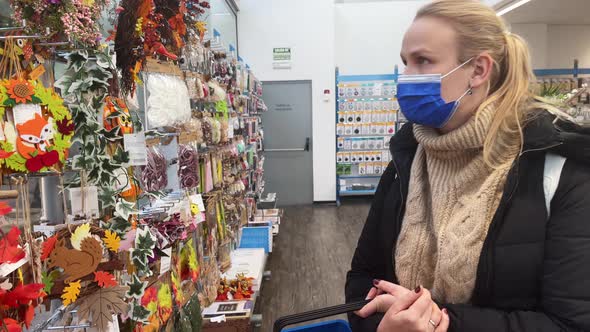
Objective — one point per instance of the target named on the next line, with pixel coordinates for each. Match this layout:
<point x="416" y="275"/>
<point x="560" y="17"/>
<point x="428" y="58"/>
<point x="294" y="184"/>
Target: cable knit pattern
<point x="452" y="198"/>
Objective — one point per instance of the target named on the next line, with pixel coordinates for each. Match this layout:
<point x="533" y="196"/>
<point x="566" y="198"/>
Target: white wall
<point x="307" y="26"/>
<point x="566" y="43"/>
<point x="369" y="35"/>
<point x="536" y="36"/>
<point x="359" y="38"/>
<point x="556" y="46"/>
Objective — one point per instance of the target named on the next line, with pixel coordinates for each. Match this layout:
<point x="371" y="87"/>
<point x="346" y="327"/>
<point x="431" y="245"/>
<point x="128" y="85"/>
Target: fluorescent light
<point x="512" y="6"/>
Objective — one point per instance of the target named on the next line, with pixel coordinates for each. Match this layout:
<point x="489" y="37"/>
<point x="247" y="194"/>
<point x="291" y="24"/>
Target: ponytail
<point x="511" y="95"/>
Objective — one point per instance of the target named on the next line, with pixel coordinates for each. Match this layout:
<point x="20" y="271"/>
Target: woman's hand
<point x="414" y="312"/>
<point x="383" y="295"/>
<point x="386" y="294"/>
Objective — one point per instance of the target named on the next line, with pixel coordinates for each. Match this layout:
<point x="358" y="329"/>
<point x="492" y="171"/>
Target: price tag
<point x="378" y="89"/>
<point x="197" y="208"/>
<point x="136" y="146"/>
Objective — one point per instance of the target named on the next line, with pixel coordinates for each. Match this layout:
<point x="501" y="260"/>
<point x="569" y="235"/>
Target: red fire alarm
<point x="326" y="94"/>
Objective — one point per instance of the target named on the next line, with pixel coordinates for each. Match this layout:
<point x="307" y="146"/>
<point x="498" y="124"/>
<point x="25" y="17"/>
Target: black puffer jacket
<point x="533" y="273"/>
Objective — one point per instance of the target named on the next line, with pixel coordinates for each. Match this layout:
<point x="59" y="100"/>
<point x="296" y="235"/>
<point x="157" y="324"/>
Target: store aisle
<point x="311" y="257"/>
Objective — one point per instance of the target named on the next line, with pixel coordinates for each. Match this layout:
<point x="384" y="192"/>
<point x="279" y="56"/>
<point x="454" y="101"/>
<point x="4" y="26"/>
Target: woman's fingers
<point x="380" y="303"/>
<point x="372" y="294"/>
<point x="436" y="315"/>
<point x="421" y="309"/>
<point x="405" y="301"/>
<point x="391" y="288"/>
<point x="443" y="326"/>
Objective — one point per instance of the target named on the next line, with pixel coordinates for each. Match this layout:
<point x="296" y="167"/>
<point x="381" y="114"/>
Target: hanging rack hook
<point x="7" y="29"/>
<point x="21" y="37"/>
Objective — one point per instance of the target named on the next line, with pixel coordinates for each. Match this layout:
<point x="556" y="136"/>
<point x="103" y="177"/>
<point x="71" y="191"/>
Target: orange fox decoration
<point x="76" y="263"/>
<point x="33" y="137"/>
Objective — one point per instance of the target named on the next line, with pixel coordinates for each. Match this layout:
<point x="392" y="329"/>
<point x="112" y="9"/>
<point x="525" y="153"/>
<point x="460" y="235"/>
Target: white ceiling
<point x="361" y="1"/>
<point x="551" y="12"/>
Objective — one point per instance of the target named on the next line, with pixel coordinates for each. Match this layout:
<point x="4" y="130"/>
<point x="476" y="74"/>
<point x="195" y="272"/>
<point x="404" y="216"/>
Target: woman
<point x="458" y="237"/>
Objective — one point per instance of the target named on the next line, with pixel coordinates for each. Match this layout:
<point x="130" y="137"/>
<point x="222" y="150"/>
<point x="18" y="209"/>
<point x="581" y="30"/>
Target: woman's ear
<point x="483" y="66"/>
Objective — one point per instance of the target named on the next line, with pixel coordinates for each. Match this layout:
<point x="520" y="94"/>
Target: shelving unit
<point x="366" y="119"/>
<point x="573" y="82"/>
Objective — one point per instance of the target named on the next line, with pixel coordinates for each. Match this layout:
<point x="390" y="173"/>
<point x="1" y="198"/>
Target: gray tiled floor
<point x="311" y="256"/>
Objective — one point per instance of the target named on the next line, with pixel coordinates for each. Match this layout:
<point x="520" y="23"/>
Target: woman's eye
<point x="423" y="61"/>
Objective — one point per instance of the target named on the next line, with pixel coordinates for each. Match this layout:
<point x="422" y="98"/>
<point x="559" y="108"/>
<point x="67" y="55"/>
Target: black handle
<point x="317" y="314"/>
<point x="307" y="143"/>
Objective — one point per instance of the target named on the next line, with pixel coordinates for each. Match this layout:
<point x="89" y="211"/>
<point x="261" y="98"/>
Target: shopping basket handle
<point x="285" y="321"/>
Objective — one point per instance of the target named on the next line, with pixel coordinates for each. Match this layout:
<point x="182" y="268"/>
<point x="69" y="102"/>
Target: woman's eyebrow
<point x="417" y="52"/>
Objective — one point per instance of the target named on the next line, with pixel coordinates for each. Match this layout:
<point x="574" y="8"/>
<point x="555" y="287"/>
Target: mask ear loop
<point x="454" y="70"/>
<point x="468" y="92"/>
<point x="457" y="103"/>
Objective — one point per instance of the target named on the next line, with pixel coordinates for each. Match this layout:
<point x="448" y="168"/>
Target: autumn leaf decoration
<point x="82" y="232"/>
<point x="112" y="240"/>
<point x="71" y="293"/>
<point x="100" y="306"/>
<point x="23" y="298"/>
<point x="105" y="279"/>
<point x="48" y="246"/>
<point x="48" y="279"/>
<point x="21" y="295"/>
<point x="11" y="325"/>
<point x="65" y="126"/>
<point x="4" y="208"/>
<point x="9" y="250"/>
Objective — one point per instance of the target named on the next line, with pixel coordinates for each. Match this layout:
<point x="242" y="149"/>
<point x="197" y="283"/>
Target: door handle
<point x="306" y="148"/>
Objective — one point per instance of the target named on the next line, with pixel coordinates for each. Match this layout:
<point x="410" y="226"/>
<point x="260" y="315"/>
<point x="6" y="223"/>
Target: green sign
<point x="281" y="54"/>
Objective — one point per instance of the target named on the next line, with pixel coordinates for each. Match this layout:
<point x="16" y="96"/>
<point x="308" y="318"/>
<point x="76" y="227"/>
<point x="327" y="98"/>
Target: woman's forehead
<point x="429" y="35"/>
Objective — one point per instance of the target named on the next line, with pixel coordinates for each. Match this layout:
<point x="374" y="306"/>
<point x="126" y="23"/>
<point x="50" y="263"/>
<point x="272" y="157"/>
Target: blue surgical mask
<point x="420" y="99"/>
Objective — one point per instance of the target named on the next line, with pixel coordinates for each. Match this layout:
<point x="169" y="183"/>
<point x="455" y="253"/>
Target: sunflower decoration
<point x="38" y="135"/>
<point x="20" y="91"/>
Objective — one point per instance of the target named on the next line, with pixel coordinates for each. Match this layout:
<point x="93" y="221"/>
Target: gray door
<point x="287" y="141"/>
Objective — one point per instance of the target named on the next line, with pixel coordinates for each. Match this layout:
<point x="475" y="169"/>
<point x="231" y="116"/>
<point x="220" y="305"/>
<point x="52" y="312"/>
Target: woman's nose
<point x="408" y="70"/>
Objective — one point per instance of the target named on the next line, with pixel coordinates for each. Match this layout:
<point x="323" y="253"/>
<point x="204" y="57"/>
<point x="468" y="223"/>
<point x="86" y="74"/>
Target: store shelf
<point x="368" y="99"/>
<point x="357" y="192"/>
<point x="362" y="150"/>
<point x="381" y="92"/>
<point x="361" y="136"/>
<point x="359" y="176"/>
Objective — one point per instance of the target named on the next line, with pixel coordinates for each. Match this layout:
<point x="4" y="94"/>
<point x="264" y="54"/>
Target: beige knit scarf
<point x="452" y="198"/>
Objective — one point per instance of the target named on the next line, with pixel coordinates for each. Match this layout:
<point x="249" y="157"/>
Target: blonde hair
<point x="480" y="30"/>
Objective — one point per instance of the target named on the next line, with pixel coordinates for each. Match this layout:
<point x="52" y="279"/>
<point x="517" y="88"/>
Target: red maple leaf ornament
<point x="65" y="126"/>
<point x="48" y="246"/>
<point x="9" y="250"/>
<point x="23" y="294"/>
